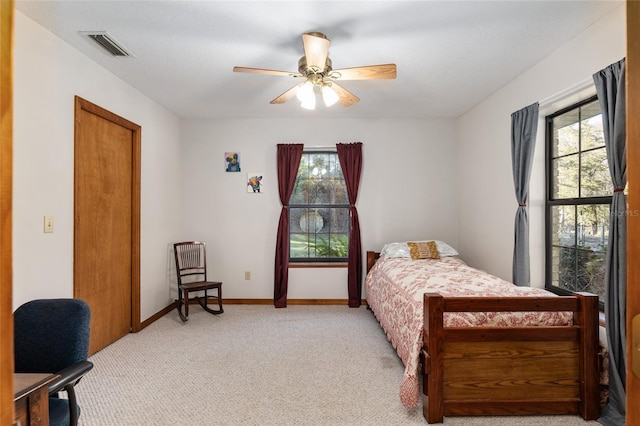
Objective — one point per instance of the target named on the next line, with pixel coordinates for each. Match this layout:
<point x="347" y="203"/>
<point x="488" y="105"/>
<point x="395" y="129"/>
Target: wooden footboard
<point x="510" y="371"/>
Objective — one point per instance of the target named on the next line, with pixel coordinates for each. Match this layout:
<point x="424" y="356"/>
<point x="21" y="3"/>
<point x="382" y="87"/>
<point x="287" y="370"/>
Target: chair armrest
<point x="69" y="376"/>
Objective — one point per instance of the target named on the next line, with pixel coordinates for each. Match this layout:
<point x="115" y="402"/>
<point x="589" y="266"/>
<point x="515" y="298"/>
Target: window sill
<point x="318" y="264"/>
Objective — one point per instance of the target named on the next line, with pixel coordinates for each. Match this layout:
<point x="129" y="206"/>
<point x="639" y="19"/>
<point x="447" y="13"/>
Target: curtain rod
<point x="572" y="90"/>
<point x="320" y="148"/>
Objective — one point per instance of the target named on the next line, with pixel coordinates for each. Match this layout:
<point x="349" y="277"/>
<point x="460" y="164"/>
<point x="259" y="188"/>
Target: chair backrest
<point x="50" y="334"/>
<point x="191" y="261"/>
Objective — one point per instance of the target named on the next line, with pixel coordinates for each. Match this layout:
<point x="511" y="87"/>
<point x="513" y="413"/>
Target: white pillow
<point x="402" y="249"/>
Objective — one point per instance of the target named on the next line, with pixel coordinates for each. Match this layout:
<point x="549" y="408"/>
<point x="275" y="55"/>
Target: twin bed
<point x="481" y="345"/>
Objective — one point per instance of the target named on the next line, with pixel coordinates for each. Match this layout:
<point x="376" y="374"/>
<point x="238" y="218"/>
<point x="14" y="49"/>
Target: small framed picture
<point x="254" y="183"/>
<point x="232" y="161"/>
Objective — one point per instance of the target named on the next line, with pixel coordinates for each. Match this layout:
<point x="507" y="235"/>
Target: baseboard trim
<point x="172" y="306"/>
<point x="290" y="301"/>
<point x="157" y="316"/>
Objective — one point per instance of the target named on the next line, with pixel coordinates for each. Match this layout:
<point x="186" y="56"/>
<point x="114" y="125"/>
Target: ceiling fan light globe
<point x="305" y="91"/>
<point x="309" y="103"/>
<point x="329" y="96"/>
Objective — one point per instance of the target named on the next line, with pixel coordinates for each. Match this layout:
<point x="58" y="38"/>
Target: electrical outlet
<point x="247" y="275"/>
<point x="48" y="224"/>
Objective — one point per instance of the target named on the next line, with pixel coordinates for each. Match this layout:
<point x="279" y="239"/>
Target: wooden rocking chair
<point x="191" y="269"/>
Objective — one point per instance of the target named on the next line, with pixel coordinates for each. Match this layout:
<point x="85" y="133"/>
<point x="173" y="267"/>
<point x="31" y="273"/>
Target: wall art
<point x="232" y="161"/>
<point x="254" y="183"/>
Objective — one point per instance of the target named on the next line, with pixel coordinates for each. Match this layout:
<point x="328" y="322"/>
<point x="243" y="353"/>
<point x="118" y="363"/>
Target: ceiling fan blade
<point x="266" y="71"/>
<point x="346" y="98"/>
<point x="370" y="72"/>
<point x="316" y="49"/>
<point x="286" y="95"/>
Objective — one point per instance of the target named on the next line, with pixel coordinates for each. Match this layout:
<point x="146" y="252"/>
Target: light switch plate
<point x="48" y="224"/>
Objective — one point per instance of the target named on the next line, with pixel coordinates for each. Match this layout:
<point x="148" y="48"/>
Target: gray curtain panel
<point x="524" y="126"/>
<point x="610" y="86"/>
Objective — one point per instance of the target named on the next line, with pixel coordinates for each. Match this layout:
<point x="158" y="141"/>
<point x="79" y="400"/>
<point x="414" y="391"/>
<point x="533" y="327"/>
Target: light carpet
<point x="257" y="365"/>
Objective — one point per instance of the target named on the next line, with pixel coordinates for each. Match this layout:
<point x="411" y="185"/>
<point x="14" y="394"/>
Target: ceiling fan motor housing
<point x="307" y="71"/>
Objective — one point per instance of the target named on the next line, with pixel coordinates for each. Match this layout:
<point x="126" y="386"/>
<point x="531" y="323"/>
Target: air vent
<point x="104" y="40"/>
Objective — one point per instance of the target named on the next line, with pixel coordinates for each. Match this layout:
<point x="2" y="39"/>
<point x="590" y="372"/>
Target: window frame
<point x="318" y="261"/>
<point x="550" y="202"/>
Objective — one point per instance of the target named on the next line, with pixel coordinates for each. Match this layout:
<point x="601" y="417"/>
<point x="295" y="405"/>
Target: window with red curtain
<point x="319" y="211"/>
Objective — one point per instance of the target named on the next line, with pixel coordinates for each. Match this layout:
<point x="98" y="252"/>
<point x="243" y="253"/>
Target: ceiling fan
<point x="316" y="71"/>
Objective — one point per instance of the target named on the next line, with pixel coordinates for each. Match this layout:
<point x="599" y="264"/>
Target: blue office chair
<point x="52" y="336"/>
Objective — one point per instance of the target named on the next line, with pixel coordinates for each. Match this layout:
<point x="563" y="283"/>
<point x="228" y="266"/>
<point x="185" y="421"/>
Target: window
<point x="319" y="211"/>
<point x="579" y="193"/>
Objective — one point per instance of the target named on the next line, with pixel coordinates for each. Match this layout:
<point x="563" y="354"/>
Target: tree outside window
<point x="579" y="190"/>
<point x="319" y="211"/>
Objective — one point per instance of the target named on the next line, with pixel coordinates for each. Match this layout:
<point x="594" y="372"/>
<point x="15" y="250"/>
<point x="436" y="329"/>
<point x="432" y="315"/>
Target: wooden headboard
<point x="372" y="256"/>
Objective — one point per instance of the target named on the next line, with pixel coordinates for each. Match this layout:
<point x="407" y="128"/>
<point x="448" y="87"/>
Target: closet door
<point x="106" y="221"/>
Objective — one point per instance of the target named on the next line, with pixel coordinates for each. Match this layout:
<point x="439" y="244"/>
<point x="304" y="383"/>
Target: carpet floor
<point x="257" y="365"/>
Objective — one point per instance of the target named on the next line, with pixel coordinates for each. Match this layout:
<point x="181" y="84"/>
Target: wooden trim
<point x="157" y="316"/>
<point x="318" y="265"/>
<point x="248" y="301"/>
<point x="135" y="228"/>
<point x="7" y="415"/>
<point x="289" y="301"/>
<point x="633" y="204"/>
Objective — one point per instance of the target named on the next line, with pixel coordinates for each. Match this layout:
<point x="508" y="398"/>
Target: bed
<point x="481" y="345"/>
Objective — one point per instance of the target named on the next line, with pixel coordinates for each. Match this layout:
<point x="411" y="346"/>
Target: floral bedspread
<point x="394" y="291"/>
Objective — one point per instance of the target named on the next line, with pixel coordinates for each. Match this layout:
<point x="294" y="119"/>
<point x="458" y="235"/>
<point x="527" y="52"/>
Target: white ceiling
<point x="450" y="54"/>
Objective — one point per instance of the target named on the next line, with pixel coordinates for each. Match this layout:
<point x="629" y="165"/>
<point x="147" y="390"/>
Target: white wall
<point x="407" y="191"/>
<point x="407" y="188"/>
<point x="486" y="199"/>
<point x="417" y="183"/>
<point x="48" y="74"/>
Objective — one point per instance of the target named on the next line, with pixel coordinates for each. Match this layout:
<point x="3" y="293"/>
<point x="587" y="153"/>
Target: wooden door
<point x="6" y="173"/>
<point x="106" y="221"/>
<point x="633" y="205"/>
